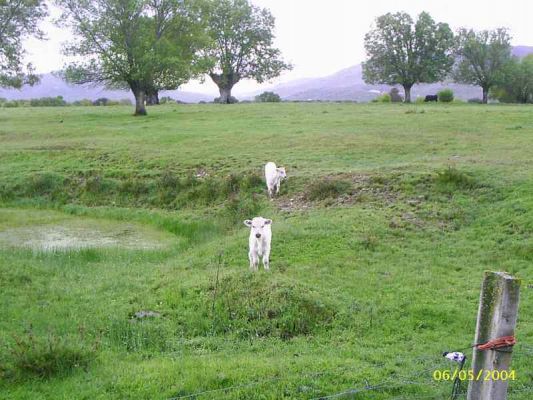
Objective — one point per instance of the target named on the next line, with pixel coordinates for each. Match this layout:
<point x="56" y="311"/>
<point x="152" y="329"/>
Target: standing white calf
<point x="259" y="241"/>
<point x="273" y="177"/>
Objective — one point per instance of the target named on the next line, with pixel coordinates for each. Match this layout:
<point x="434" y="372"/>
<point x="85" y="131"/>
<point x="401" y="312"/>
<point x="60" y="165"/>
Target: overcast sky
<point x="321" y="37"/>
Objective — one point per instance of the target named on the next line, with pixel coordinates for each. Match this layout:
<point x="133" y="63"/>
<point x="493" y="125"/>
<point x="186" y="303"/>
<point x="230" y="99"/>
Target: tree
<point x="516" y="85"/>
<point x="143" y="45"/>
<point x="482" y="58"/>
<point x="401" y="52"/>
<point x="18" y="19"/>
<point x="243" y="45"/>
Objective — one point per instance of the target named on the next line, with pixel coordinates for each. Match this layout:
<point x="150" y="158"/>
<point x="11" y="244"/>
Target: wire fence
<point x="420" y="378"/>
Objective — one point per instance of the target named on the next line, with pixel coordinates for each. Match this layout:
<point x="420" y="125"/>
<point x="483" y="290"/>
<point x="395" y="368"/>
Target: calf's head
<point x="258" y="225"/>
<point x="281" y="173"/>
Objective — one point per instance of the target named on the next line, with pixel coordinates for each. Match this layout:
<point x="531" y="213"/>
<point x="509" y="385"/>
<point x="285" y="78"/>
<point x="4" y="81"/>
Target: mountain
<point x="348" y="84"/>
<point x="52" y="86"/>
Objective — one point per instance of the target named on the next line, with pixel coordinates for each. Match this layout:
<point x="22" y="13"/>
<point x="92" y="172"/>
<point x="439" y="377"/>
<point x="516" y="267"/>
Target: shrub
<point x="475" y="101"/>
<point x="83" y="103"/>
<point x="102" y="101"/>
<point x="395" y="95"/>
<point x="419" y="100"/>
<point x="166" y="99"/>
<point x="327" y="188"/>
<point x="11" y="104"/>
<point x="125" y="102"/>
<point x="48" y="102"/>
<point x="446" y="95"/>
<point x="268" y="97"/>
<point x="383" y="98"/>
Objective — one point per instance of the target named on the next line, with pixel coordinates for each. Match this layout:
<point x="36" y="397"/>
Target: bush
<point x="125" y="102"/>
<point x="11" y="104"/>
<point x="102" y="101"/>
<point x="48" y="102"/>
<point x="446" y="95"/>
<point x="383" y="98"/>
<point x="83" y="103"/>
<point x="395" y="96"/>
<point x="475" y="101"/>
<point x="268" y="97"/>
<point x="166" y="99"/>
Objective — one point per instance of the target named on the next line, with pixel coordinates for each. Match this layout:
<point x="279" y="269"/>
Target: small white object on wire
<point x="455" y="356"/>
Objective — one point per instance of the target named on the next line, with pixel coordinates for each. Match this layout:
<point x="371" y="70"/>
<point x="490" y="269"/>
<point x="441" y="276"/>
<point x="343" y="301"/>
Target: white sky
<point x="320" y="37"/>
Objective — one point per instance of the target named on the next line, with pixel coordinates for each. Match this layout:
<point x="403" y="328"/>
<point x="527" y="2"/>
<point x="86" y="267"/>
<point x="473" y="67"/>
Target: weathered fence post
<point x="497" y="314"/>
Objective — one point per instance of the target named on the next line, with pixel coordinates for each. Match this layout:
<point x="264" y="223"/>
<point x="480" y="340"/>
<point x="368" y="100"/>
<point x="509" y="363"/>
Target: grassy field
<point x="381" y="234"/>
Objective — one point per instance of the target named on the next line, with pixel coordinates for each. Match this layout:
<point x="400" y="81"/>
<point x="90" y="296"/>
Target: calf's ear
<point x="268" y="221"/>
<point x="248" y="222"/>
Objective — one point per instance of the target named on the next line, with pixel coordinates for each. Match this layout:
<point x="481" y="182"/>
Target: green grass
<point x="388" y="219"/>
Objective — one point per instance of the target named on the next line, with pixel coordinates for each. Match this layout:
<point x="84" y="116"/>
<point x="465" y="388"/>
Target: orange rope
<point x="504" y="341"/>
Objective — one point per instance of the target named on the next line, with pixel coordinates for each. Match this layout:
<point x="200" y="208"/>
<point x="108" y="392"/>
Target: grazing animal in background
<point x="259" y="241"/>
<point x="273" y="177"/>
<point x="431" y="97"/>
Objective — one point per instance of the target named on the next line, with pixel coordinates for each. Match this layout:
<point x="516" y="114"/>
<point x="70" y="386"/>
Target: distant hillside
<point x="348" y="84"/>
<point x="51" y="86"/>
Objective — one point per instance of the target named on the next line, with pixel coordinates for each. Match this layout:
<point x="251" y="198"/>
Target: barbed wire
<point x="394" y="381"/>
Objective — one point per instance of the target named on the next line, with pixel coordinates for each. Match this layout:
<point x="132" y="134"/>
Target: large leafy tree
<point x="482" y="57"/>
<point x="516" y="86"/>
<point x="403" y="52"/>
<point x="18" y="19"/>
<point x="242" y="48"/>
<point x="143" y="45"/>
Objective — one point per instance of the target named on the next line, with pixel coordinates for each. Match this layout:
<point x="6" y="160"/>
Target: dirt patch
<point x="360" y="188"/>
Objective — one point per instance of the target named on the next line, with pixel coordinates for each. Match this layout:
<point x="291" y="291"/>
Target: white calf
<point x="259" y="241"/>
<point x="273" y="177"/>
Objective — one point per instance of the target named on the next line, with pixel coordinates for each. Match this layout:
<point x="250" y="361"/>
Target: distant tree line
<point x="405" y="52"/>
<point x="58" y="101"/>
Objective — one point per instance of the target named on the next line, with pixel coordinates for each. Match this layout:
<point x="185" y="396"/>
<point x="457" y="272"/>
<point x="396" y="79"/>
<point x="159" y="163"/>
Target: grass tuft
<point x="46" y="357"/>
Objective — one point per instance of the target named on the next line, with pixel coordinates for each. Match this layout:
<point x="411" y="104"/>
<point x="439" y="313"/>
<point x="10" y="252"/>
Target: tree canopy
<point x="243" y="47"/>
<point x="403" y="52"/>
<point x="144" y="45"/>
<point x="516" y="84"/>
<point x="18" y="19"/>
<point x="482" y="57"/>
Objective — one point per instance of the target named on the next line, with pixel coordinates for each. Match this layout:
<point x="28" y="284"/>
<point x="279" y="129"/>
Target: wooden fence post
<point x="497" y="314"/>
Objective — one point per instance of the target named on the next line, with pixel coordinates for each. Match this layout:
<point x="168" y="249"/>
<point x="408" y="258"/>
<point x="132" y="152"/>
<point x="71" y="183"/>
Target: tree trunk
<point x="225" y="95"/>
<point x="140" y="97"/>
<point x="225" y="82"/>
<point x="485" y="95"/>
<point x="152" y="98"/>
<point x="407" y="90"/>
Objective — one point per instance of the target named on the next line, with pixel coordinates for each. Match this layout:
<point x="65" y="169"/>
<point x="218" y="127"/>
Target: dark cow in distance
<point x="431" y="97"/>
